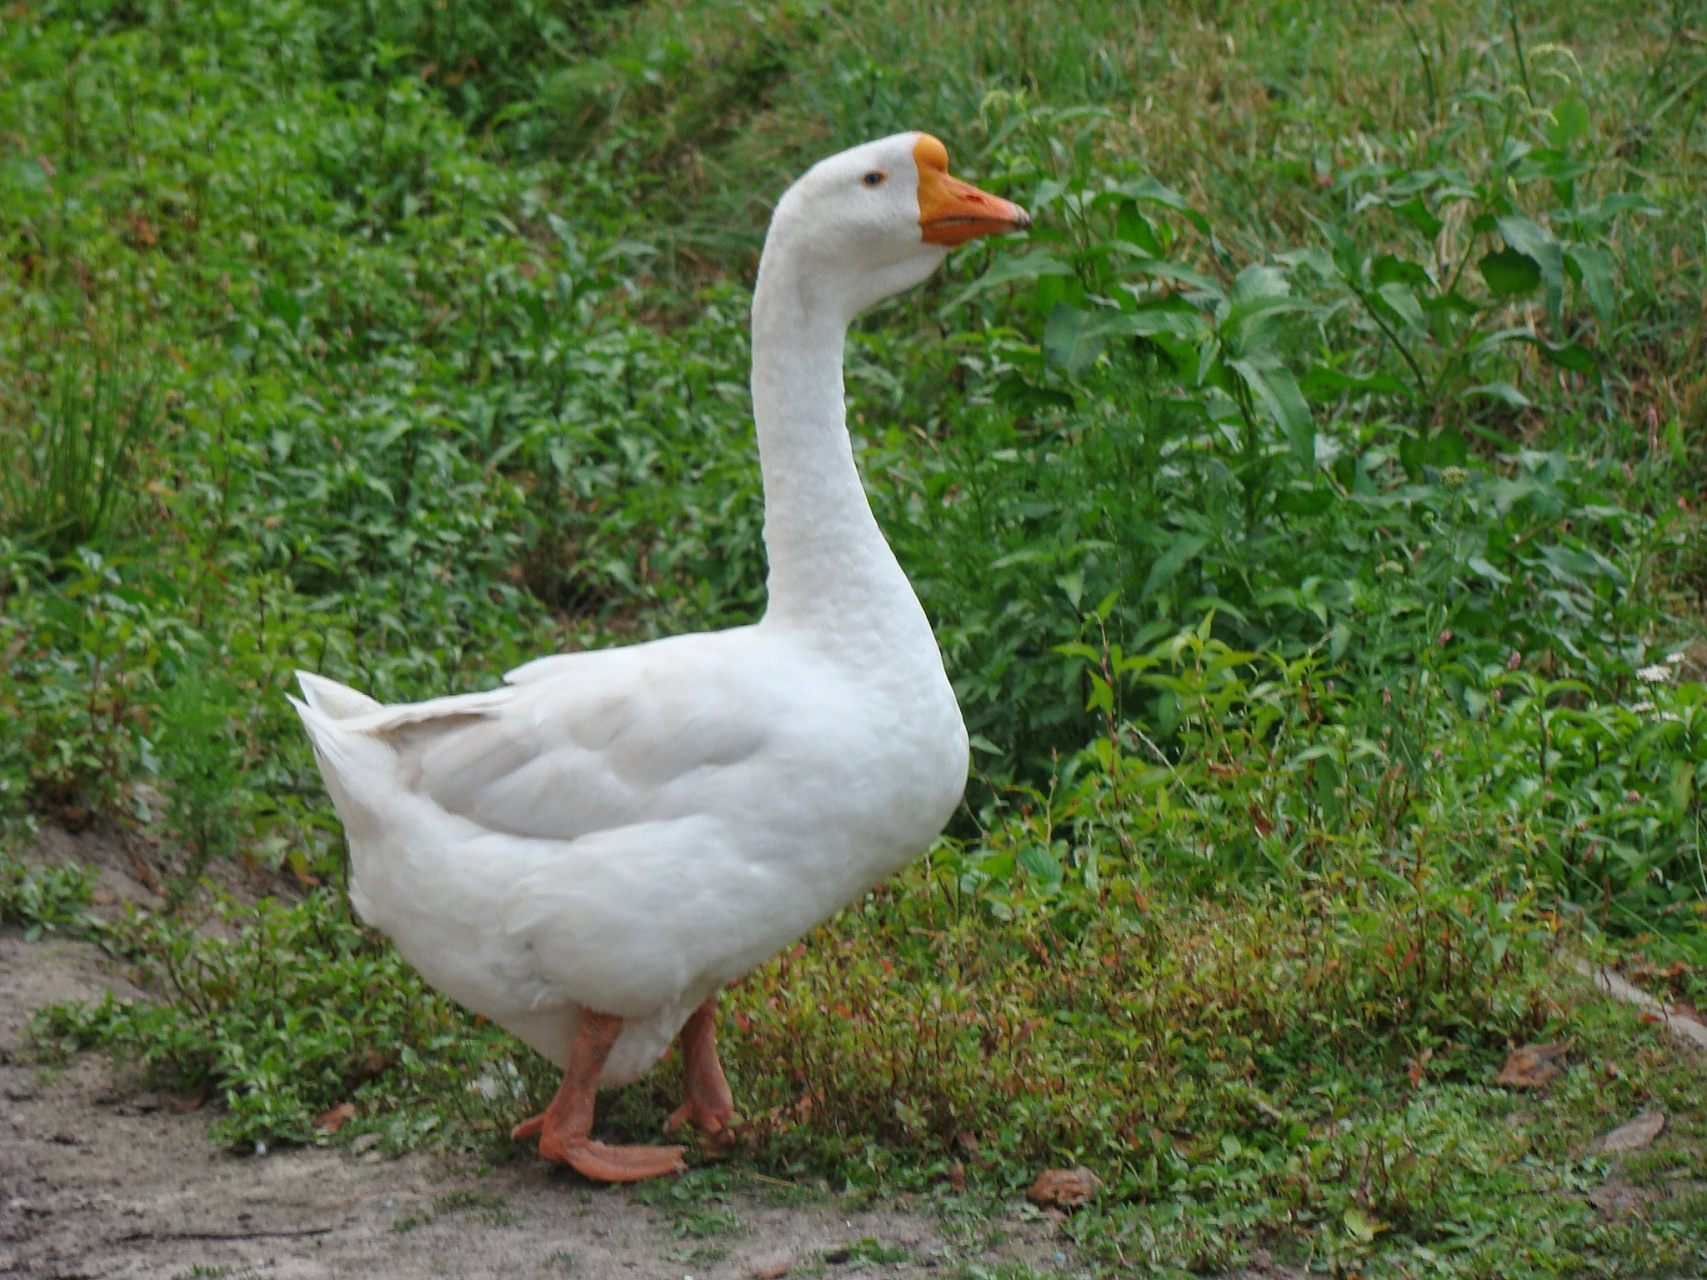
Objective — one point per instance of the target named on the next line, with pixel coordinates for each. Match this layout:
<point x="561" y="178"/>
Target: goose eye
<point x="874" y="178"/>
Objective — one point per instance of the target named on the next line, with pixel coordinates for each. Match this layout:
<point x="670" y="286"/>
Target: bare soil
<point x="101" y="1178"/>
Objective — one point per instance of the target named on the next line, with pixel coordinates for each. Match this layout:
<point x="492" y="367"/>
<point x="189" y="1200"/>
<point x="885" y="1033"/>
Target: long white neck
<point x="830" y="568"/>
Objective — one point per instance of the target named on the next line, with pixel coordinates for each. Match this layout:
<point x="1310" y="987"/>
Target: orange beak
<point x="952" y="212"/>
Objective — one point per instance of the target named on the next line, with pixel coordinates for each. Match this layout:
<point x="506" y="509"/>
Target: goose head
<point x="877" y="219"/>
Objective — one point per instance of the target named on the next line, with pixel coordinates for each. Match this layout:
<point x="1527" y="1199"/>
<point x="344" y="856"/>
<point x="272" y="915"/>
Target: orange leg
<point x="710" y="1106"/>
<point x="566" y="1127"/>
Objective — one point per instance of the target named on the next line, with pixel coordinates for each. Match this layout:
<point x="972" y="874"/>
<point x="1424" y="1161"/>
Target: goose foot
<point x="710" y="1106"/>
<point x="565" y="1127"/>
<point x="618" y="1164"/>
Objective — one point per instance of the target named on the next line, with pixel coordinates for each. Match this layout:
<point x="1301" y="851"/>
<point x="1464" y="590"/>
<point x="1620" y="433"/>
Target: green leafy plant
<point x="67" y="465"/>
<point x="46" y="899"/>
<point x="203" y="770"/>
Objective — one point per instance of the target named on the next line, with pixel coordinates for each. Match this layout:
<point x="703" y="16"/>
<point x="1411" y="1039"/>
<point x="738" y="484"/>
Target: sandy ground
<point x="100" y="1178"/>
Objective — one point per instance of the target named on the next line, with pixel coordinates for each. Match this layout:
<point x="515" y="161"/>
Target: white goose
<point x="588" y="854"/>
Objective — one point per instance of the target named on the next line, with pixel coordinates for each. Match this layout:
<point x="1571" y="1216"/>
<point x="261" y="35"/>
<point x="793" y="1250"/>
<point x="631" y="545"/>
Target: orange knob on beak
<point x="952" y="212"/>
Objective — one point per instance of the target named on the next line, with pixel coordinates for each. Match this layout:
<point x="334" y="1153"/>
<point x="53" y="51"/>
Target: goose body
<point x="629" y="829"/>
<point x="587" y="854"/>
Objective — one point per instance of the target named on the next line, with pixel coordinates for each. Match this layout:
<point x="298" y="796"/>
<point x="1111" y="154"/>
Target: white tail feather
<point x="333" y="700"/>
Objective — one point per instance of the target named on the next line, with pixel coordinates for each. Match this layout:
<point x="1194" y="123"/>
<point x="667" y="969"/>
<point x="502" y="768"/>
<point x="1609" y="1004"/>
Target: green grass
<point x="1308" y="510"/>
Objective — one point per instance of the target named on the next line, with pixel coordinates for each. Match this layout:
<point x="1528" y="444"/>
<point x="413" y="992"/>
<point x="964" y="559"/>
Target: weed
<point x="65" y="469"/>
<point x="46" y="899"/>
<point x="863" y="1253"/>
<point x="493" y="1209"/>
<point x="704" y="1223"/>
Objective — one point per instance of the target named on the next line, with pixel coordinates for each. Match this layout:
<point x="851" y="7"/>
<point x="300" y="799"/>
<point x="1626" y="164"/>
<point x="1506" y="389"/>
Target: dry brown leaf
<point x="1632" y="1136"/>
<point x="771" y="1270"/>
<point x="957" y="1176"/>
<point x="336" y="1118"/>
<point x="1533" y="1066"/>
<point x="1064" y="1188"/>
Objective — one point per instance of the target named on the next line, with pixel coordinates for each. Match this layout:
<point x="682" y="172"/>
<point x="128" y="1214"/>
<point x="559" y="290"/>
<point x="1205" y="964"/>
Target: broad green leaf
<point x="1347" y="254"/>
<point x="1390" y="267"/>
<point x="1570" y="122"/>
<point x="1602" y="212"/>
<point x="1538" y="243"/>
<point x="1134" y="228"/>
<point x="1595" y="266"/>
<point x="1041" y="865"/>
<point x="1404" y="304"/>
<point x="1418" y="214"/>
<point x="1164" y="270"/>
<point x="1180" y="552"/>
<point x="1479" y="566"/>
<point x="1320" y="383"/>
<point x="1155" y="321"/>
<point x="1318" y="259"/>
<point x="1502" y="391"/>
<point x="1073" y="339"/>
<point x="1048" y="191"/>
<point x="1413" y="453"/>
<point x="1509" y="274"/>
<point x="1150" y="190"/>
<point x="1254" y="328"/>
<point x="1008" y="268"/>
<point x="1571" y="355"/>
<point x="1258" y="283"/>
<point x="1256" y="309"/>
<point x="1300" y="501"/>
<point x="1448" y="448"/>
<point x="1277" y="391"/>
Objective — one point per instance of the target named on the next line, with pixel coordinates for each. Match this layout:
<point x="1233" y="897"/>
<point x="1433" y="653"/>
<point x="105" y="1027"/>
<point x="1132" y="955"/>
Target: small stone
<point x="1064" y="1188"/>
<point x="1630" y="1137"/>
<point x="1533" y="1066"/>
<point x="364" y="1143"/>
<point x="775" y="1269"/>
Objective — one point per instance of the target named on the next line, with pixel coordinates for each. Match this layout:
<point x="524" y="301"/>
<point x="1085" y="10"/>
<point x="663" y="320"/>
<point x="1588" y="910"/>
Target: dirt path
<point x="101" y="1179"/>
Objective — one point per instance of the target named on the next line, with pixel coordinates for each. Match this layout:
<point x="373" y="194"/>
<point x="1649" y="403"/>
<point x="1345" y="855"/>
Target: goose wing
<point x="580" y="743"/>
